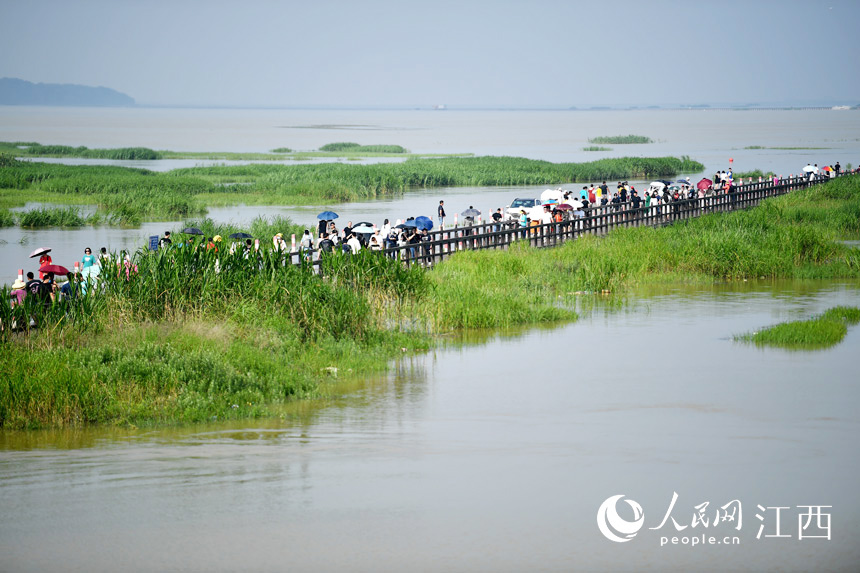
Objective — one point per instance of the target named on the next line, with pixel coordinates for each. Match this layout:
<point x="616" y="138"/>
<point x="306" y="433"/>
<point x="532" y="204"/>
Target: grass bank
<point x="816" y="333"/>
<point x="179" y="339"/>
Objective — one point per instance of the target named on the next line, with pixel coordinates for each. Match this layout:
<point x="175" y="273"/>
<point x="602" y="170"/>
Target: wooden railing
<point x="440" y="244"/>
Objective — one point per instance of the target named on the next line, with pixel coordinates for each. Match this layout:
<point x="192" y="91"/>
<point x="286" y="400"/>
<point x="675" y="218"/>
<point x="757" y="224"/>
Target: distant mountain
<point x="21" y="92"/>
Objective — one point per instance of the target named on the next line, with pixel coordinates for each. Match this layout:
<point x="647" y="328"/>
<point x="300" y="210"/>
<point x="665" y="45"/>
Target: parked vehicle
<point x="512" y="211"/>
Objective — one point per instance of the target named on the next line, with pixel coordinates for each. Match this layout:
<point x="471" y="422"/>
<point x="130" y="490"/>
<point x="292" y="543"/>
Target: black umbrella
<point x="241" y="236"/>
<point x="471" y="212"/>
<point x="192" y="231"/>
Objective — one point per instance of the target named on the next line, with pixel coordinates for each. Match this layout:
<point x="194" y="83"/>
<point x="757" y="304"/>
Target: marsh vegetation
<point x="128" y="196"/>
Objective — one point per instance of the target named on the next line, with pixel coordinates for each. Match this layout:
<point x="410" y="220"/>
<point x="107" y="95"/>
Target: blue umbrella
<point x="411" y="224"/>
<point x="424" y="222"/>
<point x="327" y="216"/>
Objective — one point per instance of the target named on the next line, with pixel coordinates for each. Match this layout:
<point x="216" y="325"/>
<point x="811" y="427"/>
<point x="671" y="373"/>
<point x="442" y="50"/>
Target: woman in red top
<point x="44" y="260"/>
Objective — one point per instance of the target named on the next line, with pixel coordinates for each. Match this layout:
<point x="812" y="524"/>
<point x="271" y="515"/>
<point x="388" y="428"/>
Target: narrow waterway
<point x="492" y="453"/>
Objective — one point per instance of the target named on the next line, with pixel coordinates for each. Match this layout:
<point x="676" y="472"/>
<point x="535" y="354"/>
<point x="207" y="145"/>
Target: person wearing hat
<point x="19" y="291"/>
<point x="279" y="242"/>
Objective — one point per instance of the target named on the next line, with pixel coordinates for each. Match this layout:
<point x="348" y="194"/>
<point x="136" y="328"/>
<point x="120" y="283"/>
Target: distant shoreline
<point x="449" y="109"/>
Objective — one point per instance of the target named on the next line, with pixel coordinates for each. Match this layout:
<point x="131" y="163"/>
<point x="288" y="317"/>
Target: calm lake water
<point x="490" y="454"/>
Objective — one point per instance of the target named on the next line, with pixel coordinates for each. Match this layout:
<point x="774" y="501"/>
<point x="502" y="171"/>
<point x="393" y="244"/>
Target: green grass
<point x="7" y="219"/>
<point x="355" y="147"/>
<point x="262" y="227"/>
<point x="754" y="174"/>
<point x="819" y="332"/>
<point x="52" y="217"/>
<point x="33" y="149"/>
<point x="620" y="139"/>
<point x="596" y="148"/>
<point x="178" y="339"/>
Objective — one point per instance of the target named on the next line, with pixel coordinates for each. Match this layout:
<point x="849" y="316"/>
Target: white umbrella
<point x="576" y="204"/>
<point x="810" y="169"/>
<point x="535" y="213"/>
<point x="552" y="195"/>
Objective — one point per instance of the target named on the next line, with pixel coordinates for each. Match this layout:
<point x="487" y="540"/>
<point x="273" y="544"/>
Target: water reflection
<point x="490" y="453"/>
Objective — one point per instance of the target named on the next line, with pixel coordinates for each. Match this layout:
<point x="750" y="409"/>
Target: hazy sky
<point x="464" y="52"/>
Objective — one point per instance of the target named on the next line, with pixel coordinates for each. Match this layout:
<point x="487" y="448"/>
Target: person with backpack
<point x="326" y="245"/>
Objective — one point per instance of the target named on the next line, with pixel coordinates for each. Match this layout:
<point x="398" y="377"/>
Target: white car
<point x="512" y="211"/>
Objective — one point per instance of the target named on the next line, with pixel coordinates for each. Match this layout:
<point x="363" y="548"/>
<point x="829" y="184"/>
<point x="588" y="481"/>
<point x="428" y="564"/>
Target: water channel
<point x="492" y="453"/>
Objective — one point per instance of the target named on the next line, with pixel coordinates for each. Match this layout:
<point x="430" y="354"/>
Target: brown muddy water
<point x="492" y="453"/>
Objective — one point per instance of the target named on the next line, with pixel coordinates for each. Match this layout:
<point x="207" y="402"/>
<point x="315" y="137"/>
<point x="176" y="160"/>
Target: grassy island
<point x="819" y="332"/>
<point x="621" y="139"/>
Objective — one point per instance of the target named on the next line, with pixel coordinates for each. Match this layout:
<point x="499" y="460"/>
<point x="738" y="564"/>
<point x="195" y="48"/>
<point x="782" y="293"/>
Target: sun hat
<point x="18" y="284"/>
<point x="217" y="238"/>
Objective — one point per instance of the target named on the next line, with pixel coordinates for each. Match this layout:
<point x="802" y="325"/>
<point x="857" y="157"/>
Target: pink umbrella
<point x="40" y="251"/>
<point x="56" y="269"/>
<point x="704" y="184"/>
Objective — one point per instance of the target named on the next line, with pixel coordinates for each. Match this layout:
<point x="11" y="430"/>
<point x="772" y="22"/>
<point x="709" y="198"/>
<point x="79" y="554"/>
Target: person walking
<point x="88" y="259"/>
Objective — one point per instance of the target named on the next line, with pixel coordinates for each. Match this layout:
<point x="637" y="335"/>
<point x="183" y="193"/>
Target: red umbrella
<point x="56" y="269"/>
<point x="704" y="184"/>
<point x="564" y="207"/>
<point x="39" y="251"/>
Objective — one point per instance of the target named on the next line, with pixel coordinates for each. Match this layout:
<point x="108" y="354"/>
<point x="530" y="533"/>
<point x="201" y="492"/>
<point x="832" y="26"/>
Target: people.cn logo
<point x="613" y="526"/>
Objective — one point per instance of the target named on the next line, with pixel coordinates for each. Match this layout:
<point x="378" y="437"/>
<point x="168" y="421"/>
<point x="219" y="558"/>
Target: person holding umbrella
<point x="44" y="258"/>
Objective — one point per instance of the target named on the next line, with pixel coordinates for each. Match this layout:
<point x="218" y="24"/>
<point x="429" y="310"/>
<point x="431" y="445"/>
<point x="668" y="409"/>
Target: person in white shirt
<point x="546" y="216"/>
<point x="353" y="243"/>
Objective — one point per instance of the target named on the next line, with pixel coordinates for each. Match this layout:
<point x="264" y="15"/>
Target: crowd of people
<point x="46" y="287"/>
